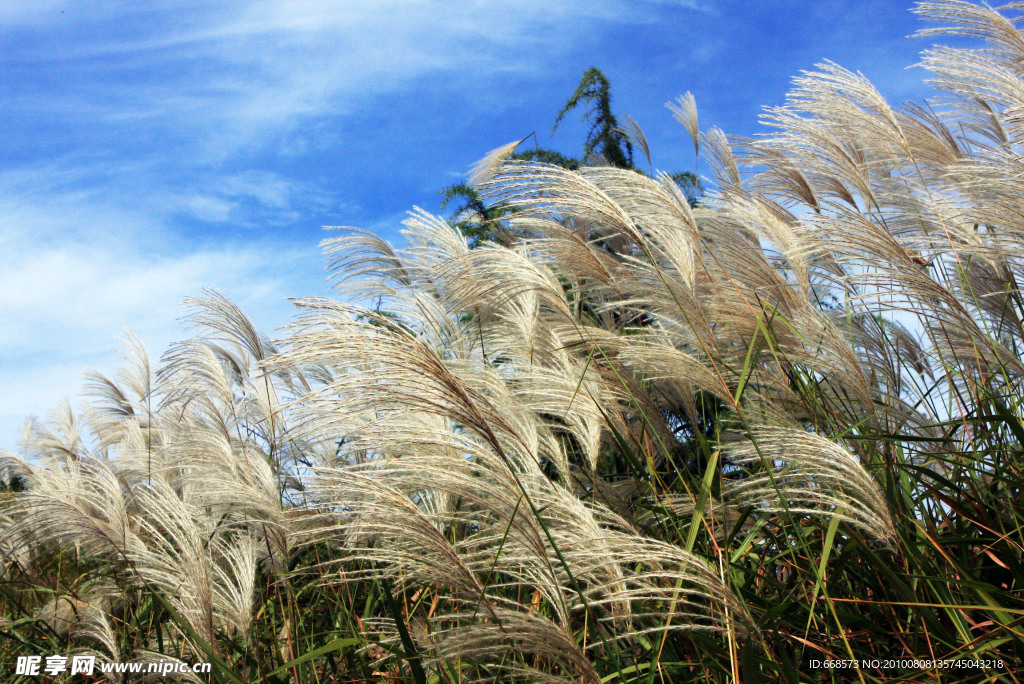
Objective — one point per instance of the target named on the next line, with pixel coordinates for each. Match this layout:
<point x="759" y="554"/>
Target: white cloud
<point x="222" y="77"/>
<point x="251" y="198"/>
<point x="206" y="208"/>
<point x="64" y="307"/>
<point x="74" y="292"/>
<point x="66" y="293"/>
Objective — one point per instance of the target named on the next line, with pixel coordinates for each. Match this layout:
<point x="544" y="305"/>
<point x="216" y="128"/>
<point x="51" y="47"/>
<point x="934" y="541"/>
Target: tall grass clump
<point x="634" y="440"/>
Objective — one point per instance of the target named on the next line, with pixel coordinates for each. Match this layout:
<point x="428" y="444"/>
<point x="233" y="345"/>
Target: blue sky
<point x="151" y="149"/>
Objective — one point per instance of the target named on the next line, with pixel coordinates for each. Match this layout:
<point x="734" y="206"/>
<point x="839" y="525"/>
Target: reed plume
<point x="643" y="437"/>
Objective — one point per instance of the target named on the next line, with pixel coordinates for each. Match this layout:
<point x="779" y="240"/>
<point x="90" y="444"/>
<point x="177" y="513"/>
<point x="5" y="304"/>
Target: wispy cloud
<point x="79" y="266"/>
<point x="63" y="307"/>
<point x="221" y="78"/>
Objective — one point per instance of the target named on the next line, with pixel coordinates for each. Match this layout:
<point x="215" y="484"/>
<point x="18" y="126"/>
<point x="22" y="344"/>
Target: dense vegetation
<point x="635" y="440"/>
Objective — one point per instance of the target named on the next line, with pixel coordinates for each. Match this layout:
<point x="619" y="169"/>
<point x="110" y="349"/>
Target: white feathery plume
<point x="795" y="471"/>
<point x="484" y="169"/>
<point x="684" y="109"/>
<point x="631" y="129"/>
